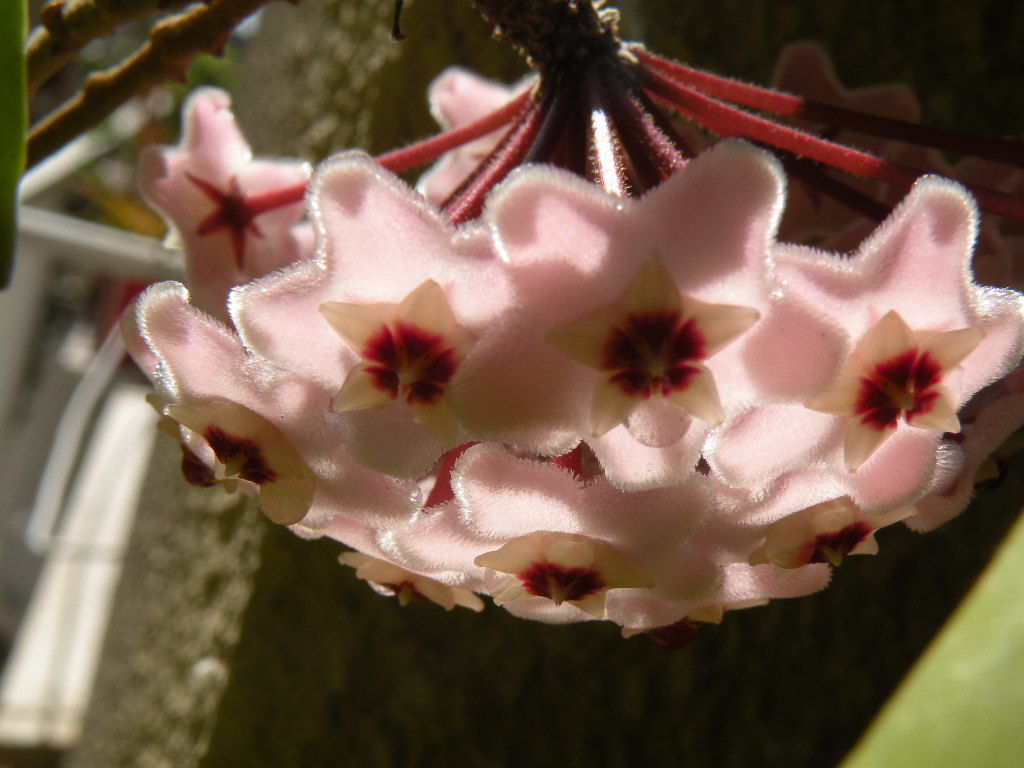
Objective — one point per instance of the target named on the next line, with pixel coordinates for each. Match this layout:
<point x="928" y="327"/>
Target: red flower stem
<point x="430" y="149"/>
<point x="787" y="105"/>
<point x="726" y="120"/>
<point x="572" y="150"/>
<point x="468" y="201"/>
<point x="605" y="160"/>
<point x="653" y="152"/>
<point x="815" y="177"/>
<point x="508" y="138"/>
<point x="559" y="112"/>
<point x="261" y="202"/>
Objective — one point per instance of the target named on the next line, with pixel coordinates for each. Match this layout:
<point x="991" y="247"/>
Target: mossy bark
<point x="326" y="673"/>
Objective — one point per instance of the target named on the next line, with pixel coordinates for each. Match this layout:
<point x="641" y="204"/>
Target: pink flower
<point x="925" y="336"/>
<point x="386" y="313"/>
<point x="221" y="205"/>
<point x="389" y="579"/>
<point x="562" y="568"/>
<point x="824" y="533"/>
<point x="535" y="509"/>
<point x="594" y="387"/>
<point x="249" y="419"/>
<point x="542" y="377"/>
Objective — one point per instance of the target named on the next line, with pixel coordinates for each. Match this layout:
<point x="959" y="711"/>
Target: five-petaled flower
<point x="563" y="568"/>
<point x="389" y="579"/>
<point x="652" y="343"/>
<point x="895" y="374"/>
<point x="224" y="208"/>
<point x="410" y="352"/>
<point x="247" y="448"/>
<point x="824" y="533"/>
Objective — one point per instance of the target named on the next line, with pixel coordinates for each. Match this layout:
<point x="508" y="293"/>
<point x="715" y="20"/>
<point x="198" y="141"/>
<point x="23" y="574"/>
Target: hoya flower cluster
<point x="583" y="405"/>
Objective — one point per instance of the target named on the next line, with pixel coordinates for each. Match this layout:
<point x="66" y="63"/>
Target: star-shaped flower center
<point x="240" y="456"/>
<point x="409" y="362"/>
<point x="833" y="546"/>
<point x="652" y="343"/>
<point x="246" y="447"/>
<point x="409" y="351"/>
<point x="561" y="567"/>
<point x="653" y="353"/>
<point x="896" y="374"/>
<point x="231" y="213"/>
<point x="904" y="385"/>
<point x="558" y="583"/>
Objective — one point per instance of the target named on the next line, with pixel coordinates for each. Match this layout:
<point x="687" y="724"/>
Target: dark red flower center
<point x="240" y="456"/>
<point x="410" y="362"/>
<point x="558" y="583"/>
<point x="904" y="384"/>
<point x="652" y="353"/>
<point x="833" y="547"/>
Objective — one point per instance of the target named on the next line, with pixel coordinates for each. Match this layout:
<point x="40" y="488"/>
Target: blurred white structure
<point x="77" y="439"/>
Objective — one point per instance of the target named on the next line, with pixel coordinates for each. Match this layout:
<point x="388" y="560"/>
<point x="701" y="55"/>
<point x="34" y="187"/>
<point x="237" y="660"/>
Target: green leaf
<point x="13" y="124"/>
<point x="963" y="702"/>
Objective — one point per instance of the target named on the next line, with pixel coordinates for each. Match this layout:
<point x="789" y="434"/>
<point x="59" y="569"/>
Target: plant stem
<point x="68" y="25"/>
<point x="173" y="45"/>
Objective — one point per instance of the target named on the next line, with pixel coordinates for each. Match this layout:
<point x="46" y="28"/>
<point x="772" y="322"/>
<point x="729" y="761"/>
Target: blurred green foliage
<point x="963" y="703"/>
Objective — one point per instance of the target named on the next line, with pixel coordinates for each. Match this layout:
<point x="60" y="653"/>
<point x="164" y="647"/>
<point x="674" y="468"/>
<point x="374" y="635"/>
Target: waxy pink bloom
<point x="562" y="568"/>
<point x="895" y="375"/>
<point x="247" y="420"/>
<point x="386" y="334"/>
<point x="582" y="375"/>
<point x="926" y="337"/>
<point x="410" y="352"/>
<point x="389" y="579"/>
<point x="221" y="204"/>
<point x="246" y="447"/>
<point x="651" y="344"/>
<point x="573" y="252"/>
<point x="824" y="533"/>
